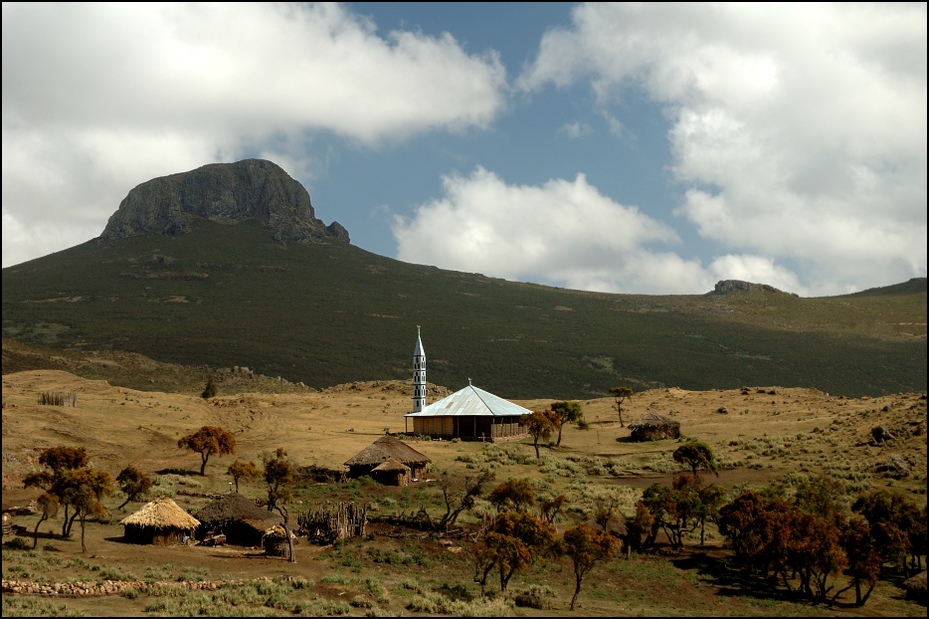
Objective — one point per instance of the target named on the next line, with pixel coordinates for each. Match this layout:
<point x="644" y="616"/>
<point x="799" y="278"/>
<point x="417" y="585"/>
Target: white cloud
<point x="799" y="130"/>
<point x="576" y="129"/>
<point x="562" y="233"/>
<point x="99" y="97"/>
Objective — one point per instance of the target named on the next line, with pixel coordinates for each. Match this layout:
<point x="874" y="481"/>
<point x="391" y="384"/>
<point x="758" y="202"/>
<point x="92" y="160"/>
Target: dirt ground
<point x="760" y="434"/>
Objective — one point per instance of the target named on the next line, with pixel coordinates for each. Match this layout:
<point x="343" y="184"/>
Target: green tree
<point x="586" y="548"/>
<point x="620" y="394"/>
<point x="208" y="441"/>
<point x="696" y="455"/>
<point x="540" y="425"/>
<point x="243" y="471"/>
<point x="134" y="484"/>
<point x="209" y="391"/>
<point x="279" y="477"/>
<point x="568" y="412"/>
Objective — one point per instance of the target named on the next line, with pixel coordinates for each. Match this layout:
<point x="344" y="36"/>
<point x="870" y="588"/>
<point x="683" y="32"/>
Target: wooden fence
<point x="58" y="398"/>
<point x="329" y="522"/>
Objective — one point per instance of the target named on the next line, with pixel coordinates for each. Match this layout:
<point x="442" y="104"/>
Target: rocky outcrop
<point x="228" y="192"/>
<point x="732" y="286"/>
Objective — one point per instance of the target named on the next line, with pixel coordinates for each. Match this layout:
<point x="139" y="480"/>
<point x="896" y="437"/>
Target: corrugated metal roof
<point x="472" y="402"/>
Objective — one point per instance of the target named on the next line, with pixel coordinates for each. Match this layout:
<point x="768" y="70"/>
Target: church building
<point x="470" y="414"/>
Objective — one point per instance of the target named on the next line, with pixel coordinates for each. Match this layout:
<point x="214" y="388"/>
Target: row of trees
<point x="804" y="539"/>
<point x="516" y="537"/>
<point x="812" y="538"/>
<point x="72" y="483"/>
<point x="541" y="425"/>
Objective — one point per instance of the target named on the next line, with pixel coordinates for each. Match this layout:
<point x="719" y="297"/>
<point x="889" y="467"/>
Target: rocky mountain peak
<point x="732" y="286"/>
<point x="229" y="192"/>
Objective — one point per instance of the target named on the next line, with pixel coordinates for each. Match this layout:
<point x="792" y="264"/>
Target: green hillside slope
<point x="330" y="313"/>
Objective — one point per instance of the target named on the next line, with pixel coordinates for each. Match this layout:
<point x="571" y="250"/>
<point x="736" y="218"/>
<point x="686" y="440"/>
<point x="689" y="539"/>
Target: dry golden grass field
<point x="767" y="435"/>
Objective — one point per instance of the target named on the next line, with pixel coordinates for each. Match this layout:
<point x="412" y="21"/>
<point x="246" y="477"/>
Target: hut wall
<point x="509" y="429"/>
<point x="392" y="478"/>
<point x="469" y="428"/>
<point x="417" y="471"/>
<point x="655" y="433"/>
<point x="154" y="535"/>
<point x="436" y="427"/>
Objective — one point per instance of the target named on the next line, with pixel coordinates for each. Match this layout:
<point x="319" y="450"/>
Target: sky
<point x="625" y="148"/>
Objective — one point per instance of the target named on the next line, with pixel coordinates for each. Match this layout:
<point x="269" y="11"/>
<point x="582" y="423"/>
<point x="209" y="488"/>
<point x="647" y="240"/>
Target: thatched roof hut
<point x="384" y="449"/>
<point x="916" y="587"/>
<point x="239" y="518"/>
<point x="161" y="522"/>
<point x="392" y="473"/>
<point x="275" y="541"/>
<point x="654" y="427"/>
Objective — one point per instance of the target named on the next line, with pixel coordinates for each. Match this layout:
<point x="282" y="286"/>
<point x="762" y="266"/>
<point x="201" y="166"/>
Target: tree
<point x="586" y="547"/>
<point x="515" y="541"/>
<point x="895" y="524"/>
<point x="675" y="509"/>
<point x="568" y="412"/>
<point x="243" y="471"/>
<point x="696" y="455"/>
<point x="460" y="493"/>
<point x="133" y="483"/>
<point x="551" y="508"/>
<point x="620" y="394"/>
<point x="88" y="487"/>
<point x="864" y="562"/>
<point x="516" y="492"/>
<point x="637" y="526"/>
<point x="61" y="461"/>
<point x="209" y="391"/>
<point x="540" y="425"/>
<point x="47" y="505"/>
<point x="279" y="476"/>
<point x="814" y="553"/>
<point x="208" y="441"/>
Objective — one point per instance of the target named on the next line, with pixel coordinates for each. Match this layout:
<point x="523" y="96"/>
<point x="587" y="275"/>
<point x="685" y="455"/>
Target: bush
<point x="18" y="543"/>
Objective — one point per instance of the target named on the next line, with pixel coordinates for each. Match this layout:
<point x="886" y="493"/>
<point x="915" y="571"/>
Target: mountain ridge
<point x="319" y="311"/>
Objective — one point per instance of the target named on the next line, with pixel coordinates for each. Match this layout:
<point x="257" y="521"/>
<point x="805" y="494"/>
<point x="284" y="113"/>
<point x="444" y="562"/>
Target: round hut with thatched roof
<point x="160" y="522"/>
<point x="239" y="518"/>
<point x="392" y="473"/>
<point x="380" y="452"/>
<point x="654" y="427"/>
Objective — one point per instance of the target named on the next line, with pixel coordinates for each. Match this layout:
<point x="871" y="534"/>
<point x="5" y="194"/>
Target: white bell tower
<point x="419" y="375"/>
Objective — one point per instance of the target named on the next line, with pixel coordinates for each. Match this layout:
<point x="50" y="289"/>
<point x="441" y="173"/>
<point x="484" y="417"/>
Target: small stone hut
<point x="160" y="522"/>
<point x="239" y="518"/>
<point x="380" y="452"/>
<point x="654" y="427"/>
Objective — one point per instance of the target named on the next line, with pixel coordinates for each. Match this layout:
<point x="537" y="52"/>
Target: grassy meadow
<point x="761" y="435"/>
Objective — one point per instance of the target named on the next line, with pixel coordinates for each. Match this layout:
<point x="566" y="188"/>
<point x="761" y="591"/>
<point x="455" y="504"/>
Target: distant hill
<point x="225" y="288"/>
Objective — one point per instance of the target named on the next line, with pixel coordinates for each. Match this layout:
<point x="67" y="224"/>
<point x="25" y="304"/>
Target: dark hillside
<point x="327" y="313"/>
